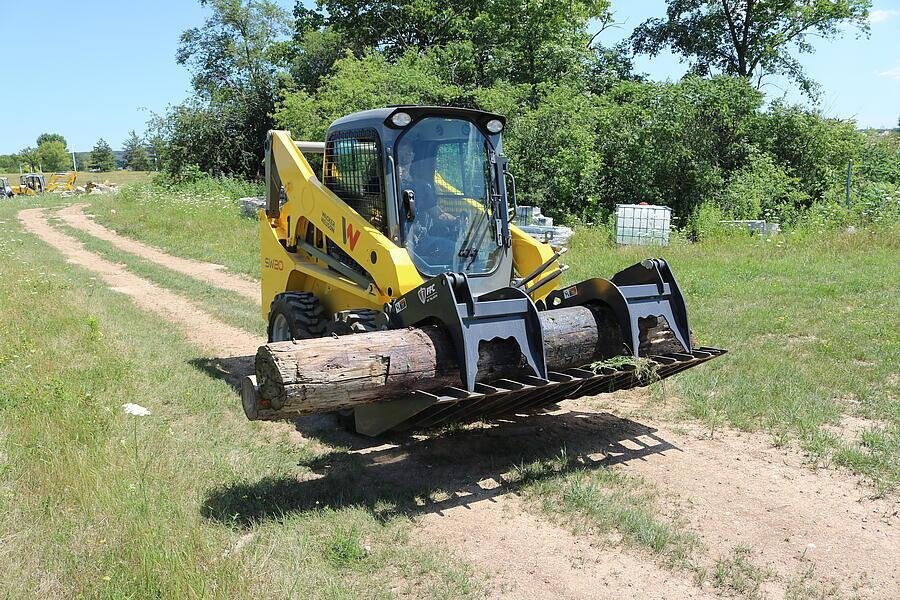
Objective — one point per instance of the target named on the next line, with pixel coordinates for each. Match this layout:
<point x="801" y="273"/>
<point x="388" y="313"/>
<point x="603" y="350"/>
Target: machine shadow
<point x="229" y="369"/>
<point x="417" y="474"/>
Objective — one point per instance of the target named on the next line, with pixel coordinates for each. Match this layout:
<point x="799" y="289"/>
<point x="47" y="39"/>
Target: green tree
<point x="235" y="76"/>
<point x="102" y="157"/>
<point x="397" y="26"/>
<point x="536" y="41"/>
<point x="9" y="163"/>
<point x="54" y="156"/>
<point x="134" y="153"/>
<point x="51" y="137"/>
<point x="749" y="38"/>
<point x="361" y="83"/>
<point x="30" y="158"/>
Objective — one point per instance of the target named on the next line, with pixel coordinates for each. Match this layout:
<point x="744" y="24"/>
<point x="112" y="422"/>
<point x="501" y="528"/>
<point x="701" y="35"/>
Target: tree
<point x="51" y="137"/>
<point x="134" y="153"/>
<point x="235" y="76"/>
<point x="31" y="158"/>
<point x="749" y="38"/>
<point x="537" y="41"/>
<point x="396" y="26"/>
<point x="54" y="156"/>
<point x="102" y="158"/>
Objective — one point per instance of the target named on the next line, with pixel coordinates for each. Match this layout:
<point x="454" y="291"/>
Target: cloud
<point x="880" y="16"/>
<point x="891" y="73"/>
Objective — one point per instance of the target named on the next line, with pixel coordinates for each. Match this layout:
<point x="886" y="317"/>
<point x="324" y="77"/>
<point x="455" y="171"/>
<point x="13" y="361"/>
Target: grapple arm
<point x="646" y="289"/>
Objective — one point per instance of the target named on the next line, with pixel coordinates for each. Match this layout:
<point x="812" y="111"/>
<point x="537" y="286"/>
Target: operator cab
<point x="433" y="180"/>
<point x="33" y="181"/>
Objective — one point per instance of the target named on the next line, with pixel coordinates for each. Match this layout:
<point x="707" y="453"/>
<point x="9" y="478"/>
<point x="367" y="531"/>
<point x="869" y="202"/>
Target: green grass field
<point x="116" y="177"/>
<point x="98" y="503"/>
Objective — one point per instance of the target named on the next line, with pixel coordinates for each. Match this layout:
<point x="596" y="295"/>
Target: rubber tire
<point x="303" y="312"/>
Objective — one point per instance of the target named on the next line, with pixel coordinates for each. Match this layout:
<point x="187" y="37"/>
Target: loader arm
<point x="387" y="271"/>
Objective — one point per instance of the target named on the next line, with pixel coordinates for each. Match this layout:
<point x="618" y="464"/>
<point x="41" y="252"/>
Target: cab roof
<point x="382" y="116"/>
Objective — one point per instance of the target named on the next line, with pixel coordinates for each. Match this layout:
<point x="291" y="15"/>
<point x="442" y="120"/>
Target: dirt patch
<point x="738" y="490"/>
<point x="201" y="329"/>
<point x="850" y="428"/>
<point x="529" y="558"/>
<point x="210" y="273"/>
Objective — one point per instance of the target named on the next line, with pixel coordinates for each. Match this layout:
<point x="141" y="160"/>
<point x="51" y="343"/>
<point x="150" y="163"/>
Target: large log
<point x="335" y="373"/>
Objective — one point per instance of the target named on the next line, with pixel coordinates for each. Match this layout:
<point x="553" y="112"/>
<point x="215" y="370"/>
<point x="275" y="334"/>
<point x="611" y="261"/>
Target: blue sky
<point x="102" y="66"/>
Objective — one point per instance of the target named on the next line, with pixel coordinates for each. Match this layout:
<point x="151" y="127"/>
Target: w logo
<point x="351" y="234"/>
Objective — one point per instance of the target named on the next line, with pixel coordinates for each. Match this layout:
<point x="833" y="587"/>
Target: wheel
<point x="296" y="316"/>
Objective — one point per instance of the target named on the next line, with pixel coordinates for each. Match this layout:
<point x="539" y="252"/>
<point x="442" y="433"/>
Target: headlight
<point x="401" y="119"/>
<point x="495" y="125"/>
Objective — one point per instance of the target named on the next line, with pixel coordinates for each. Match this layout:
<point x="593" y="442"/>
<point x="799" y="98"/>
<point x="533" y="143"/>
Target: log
<point x="335" y="373"/>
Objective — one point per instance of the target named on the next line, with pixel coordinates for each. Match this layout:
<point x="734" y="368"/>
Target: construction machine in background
<point x="62" y="182"/>
<point x="32" y="184"/>
<point x="397" y="289"/>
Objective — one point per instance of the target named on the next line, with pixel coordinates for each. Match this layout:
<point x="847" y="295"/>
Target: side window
<point x="352" y="170"/>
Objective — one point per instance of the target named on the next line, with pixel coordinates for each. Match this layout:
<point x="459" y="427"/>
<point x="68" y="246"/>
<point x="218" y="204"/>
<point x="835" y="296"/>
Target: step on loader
<point x="398" y="290"/>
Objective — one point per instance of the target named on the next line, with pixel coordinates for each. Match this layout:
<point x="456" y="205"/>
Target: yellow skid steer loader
<point x="409" y="231"/>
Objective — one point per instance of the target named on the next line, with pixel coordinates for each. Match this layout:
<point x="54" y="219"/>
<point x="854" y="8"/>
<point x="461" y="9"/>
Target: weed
<point x="736" y="573"/>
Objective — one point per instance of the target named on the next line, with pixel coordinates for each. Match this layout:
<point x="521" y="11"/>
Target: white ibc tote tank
<point x="643" y="224"/>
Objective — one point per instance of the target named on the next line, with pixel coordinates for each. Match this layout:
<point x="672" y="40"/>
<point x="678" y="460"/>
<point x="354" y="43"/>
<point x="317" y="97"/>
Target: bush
<point x="706" y="223"/>
<point x="872" y="205"/>
<point x="762" y="190"/>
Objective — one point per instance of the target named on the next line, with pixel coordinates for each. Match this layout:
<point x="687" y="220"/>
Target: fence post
<point x="849" y="180"/>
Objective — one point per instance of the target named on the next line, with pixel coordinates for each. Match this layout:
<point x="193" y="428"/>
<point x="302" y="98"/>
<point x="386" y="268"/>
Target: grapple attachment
<point x="642" y="296"/>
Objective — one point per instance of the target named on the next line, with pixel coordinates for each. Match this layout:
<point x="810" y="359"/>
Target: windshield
<point x="445" y="163"/>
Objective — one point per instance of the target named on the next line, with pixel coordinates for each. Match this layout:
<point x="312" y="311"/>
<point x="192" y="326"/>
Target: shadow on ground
<point x="230" y="369"/>
<point x="416" y="474"/>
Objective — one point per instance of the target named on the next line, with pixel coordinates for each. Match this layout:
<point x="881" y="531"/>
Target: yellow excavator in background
<point x="410" y="225"/>
<point x="32" y="184"/>
<point x="62" y="182"/>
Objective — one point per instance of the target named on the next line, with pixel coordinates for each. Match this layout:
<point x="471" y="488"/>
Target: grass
<point x="202" y="222"/>
<point x="808" y="319"/>
<point x="808" y="322"/>
<point x="117" y="177"/>
<point x="604" y="500"/>
<point x="98" y="503"/>
<point x="227" y="306"/>
<point x="737" y="573"/>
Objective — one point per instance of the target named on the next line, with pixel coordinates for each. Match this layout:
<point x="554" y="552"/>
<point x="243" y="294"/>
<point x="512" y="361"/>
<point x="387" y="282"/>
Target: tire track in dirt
<point x="210" y="273"/>
<point x="529" y="558"/>
<point x="218" y="338"/>
<point x="803" y="527"/>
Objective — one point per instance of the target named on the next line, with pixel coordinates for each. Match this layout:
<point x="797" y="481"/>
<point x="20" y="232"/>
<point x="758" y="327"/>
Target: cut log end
<point x="250" y="397"/>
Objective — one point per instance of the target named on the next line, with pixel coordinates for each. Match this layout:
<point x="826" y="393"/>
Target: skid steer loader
<point x="410" y="226"/>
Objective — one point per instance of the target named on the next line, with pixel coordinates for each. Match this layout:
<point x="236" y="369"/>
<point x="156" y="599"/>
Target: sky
<point x="98" y="69"/>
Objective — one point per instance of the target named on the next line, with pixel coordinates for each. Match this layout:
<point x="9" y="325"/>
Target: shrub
<point x="762" y="190"/>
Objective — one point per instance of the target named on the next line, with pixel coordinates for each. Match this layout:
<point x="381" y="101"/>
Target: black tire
<point x="296" y="315"/>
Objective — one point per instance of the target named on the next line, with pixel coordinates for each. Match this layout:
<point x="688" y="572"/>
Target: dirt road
<point x="210" y="273"/>
<point x="814" y="530"/>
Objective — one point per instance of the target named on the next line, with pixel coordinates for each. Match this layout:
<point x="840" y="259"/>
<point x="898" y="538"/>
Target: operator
<point x="415" y="175"/>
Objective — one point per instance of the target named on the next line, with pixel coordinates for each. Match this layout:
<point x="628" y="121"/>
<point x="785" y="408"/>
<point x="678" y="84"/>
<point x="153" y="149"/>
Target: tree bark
<point x="327" y="374"/>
